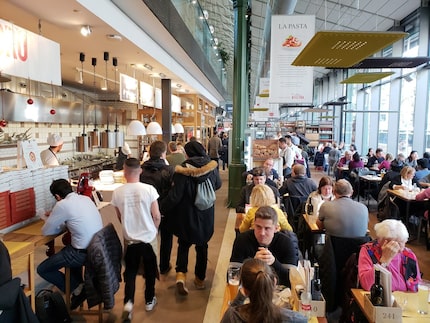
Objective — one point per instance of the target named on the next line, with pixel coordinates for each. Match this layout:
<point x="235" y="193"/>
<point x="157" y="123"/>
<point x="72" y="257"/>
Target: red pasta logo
<point x="292" y="41"/>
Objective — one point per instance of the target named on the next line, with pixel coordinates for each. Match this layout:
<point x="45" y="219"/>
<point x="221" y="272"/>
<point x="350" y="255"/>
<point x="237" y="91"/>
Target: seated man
<point x="258" y="177"/>
<point x="298" y="184"/>
<point x="343" y="163"/>
<point x="375" y="159"/>
<point x="343" y="217"/>
<point x="79" y="215"/>
<point x="264" y="242"/>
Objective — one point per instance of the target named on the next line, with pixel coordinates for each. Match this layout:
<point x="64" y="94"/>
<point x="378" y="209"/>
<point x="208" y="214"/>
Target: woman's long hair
<point x="259" y="281"/>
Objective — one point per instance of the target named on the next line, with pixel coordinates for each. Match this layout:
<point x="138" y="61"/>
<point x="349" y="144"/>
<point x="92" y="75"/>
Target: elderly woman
<point x="389" y="251"/>
<point x="262" y="195"/>
<point x="324" y="193"/>
<point x="258" y="283"/>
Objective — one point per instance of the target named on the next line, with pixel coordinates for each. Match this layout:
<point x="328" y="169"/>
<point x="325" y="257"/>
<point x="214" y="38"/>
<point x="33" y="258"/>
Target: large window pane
<point x="406" y="122"/>
<point x="384" y="105"/>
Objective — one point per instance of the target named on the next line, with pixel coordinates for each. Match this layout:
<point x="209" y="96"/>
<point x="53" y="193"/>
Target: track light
<point x="86" y="31"/>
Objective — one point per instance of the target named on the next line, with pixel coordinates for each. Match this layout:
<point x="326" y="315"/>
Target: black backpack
<point x="51" y="308"/>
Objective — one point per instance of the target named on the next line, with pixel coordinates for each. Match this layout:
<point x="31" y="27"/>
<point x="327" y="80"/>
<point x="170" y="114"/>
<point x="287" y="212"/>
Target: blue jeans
<point x="201" y="258"/>
<point x="70" y="257"/>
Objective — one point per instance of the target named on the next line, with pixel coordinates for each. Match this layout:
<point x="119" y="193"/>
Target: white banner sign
<point x="28" y="55"/>
<point x="290" y="84"/>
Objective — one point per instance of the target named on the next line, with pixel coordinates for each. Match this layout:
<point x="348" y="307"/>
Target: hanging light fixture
<point x="179" y="128"/>
<point x="172" y="129"/>
<point x="86" y="30"/>
<point x="136" y="128"/>
<point x="94" y="135"/>
<point x="104" y="83"/>
<point x="82" y="140"/>
<point x="119" y="135"/>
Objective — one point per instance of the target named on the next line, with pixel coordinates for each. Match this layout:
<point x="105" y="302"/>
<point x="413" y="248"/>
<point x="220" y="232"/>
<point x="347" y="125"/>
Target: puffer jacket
<point x="103" y="267"/>
<point x="183" y="218"/>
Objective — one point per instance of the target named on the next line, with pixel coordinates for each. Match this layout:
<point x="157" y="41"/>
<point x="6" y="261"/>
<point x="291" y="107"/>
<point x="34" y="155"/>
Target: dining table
<point x="406" y="300"/>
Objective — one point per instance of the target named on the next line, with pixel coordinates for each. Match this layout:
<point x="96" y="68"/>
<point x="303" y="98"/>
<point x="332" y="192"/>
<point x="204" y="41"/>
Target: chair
<point x="291" y="203"/>
<point x="336" y="252"/>
<point x="102" y="272"/>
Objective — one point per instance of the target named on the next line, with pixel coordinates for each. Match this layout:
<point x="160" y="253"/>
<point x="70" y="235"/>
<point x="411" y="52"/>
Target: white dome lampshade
<point x="154" y="128"/>
<point x="136" y="128"/>
<point x="179" y="128"/>
<point x="173" y="130"/>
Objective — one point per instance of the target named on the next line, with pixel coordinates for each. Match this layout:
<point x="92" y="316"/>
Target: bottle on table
<point x="377" y="291"/>
<point x="316" y="284"/>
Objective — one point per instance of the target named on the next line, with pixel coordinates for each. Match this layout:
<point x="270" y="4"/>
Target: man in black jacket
<point x="157" y="173"/>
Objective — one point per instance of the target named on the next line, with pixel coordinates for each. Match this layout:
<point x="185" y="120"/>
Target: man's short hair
<point x="61" y="187"/>
<point x="343" y="188"/>
<point x="157" y="149"/>
<point x="378" y="150"/>
<point x="132" y="163"/>
<point x="267" y="213"/>
<point x="423" y="163"/>
<point x="287" y="136"/>
<point x="282" y="139"/>
<point x="173" y="146"/>
<point x="258" y="171"/>
<point x="299" y="170"/>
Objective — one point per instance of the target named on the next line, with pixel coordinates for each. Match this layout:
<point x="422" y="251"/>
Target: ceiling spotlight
<point x="178" y="85"/>
<point x="86" y="31"/>
<point x="162" y="75"/>
<point x="212" y="29"/>
<point x="148" y="67"/>
<point x="216" y="41"/>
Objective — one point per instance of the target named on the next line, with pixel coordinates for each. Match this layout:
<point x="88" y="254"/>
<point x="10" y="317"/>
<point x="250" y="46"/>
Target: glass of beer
<point x="233" y="278"/>
<point x="423" y="297"/>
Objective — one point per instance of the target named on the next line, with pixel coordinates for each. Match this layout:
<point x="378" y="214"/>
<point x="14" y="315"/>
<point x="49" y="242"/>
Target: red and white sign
<point x="289" y="35"/>
<point x="26" y="54"/>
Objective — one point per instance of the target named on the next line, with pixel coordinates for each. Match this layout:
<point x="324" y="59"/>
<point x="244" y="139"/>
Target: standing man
<point x="190" y="224"/>
<point x="214" y="146"/>
<point x="176" y="157"/>
<point x="343" y="217"/>
<point x="79" y="215"/>
<point x="155" y="172"/>
<point x="137" y="209"/>
<point x="49" y="156"/>
<point x="287" y="156"/>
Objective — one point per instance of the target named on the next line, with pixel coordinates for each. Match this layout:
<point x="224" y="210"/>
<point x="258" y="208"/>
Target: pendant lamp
<point x="136" y="128"/>
<point x="154" y="128"/>
<point x="179" y="128"/>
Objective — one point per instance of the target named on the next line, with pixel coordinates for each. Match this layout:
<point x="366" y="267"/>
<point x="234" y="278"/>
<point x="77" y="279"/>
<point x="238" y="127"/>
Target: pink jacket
<point x="366" y="272"/>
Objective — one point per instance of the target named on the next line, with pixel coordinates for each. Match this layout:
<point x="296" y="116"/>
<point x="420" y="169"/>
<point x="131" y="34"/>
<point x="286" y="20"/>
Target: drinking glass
<point x="233" y="277"/>
<point x="423" y="297"/>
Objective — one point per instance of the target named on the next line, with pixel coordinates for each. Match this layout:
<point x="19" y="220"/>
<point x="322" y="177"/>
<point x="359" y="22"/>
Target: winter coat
<point x="184" y="219"/>
<point x="103" y="267"/>
<point x="155" y="172"/>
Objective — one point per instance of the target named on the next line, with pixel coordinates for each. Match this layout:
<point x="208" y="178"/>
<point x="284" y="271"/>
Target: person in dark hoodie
<point x="184" y="219"/>
<point x="155" y="172"/>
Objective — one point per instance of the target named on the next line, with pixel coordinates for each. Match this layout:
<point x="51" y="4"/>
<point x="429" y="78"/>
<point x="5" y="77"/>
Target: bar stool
<point x="80" y="310"/>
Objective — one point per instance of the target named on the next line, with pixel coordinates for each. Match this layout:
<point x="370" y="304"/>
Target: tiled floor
<point x="205" y="305"/>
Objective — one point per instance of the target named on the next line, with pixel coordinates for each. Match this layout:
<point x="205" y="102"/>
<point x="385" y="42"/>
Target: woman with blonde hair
<point x="258" y="284"/>
<point x="403" y="181"/>
<point x="262" y="195"/>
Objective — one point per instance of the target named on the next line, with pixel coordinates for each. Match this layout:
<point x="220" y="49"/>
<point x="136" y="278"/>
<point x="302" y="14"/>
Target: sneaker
<point x="77" y="300"/>
<point x="199" y="284"/>
<point x="127" y="312"/>
<point x="149" y="306"/>
<point x="166" y="271"/>
<point x="180" y="283"/>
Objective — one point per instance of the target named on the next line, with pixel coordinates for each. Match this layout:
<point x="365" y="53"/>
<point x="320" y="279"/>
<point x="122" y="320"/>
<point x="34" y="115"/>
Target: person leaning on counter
<point x="79" y="215"/>
<point x="49" y="156"/>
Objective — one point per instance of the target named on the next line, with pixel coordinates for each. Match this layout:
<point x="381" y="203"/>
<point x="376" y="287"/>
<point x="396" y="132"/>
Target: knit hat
<point x="195" y="149"/>
<point x="54" y="140"/>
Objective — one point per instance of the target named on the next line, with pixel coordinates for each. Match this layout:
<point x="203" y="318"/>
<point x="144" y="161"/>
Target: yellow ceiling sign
<point x="366" y="77"/>
<point x="340" y="49"/>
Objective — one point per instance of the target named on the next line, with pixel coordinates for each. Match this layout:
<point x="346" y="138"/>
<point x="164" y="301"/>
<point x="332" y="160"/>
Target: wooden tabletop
<point x="404" y="194"/>
<point x="409" y="313"/>
<point x="312" y="223"/>
<point x="18" y="249"/>
<point x="30" y="233"/>
<point x="371" y="178"/>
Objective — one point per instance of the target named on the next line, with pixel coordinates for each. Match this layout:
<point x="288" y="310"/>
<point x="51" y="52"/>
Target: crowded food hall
<point x="214" y="161"/>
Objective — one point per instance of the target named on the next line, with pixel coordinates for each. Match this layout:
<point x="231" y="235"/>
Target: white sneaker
<point x="127" y="312"/>
<point x="149" y="306"/>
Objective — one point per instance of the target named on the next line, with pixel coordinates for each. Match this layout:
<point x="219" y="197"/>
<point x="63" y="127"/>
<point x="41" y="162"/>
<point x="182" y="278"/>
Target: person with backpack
<point x="189" y="223"/>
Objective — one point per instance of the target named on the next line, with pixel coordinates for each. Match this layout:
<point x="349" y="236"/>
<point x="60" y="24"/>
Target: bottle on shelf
<point x="377" y="291"/>
<point x="316" y="284"/>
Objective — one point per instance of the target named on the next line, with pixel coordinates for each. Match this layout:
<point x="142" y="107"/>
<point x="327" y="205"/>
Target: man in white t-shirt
<point x="137" y="208"/>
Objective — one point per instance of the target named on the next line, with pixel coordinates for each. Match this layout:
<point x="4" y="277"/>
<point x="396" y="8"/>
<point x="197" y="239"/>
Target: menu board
<point x="263" y="149"/>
